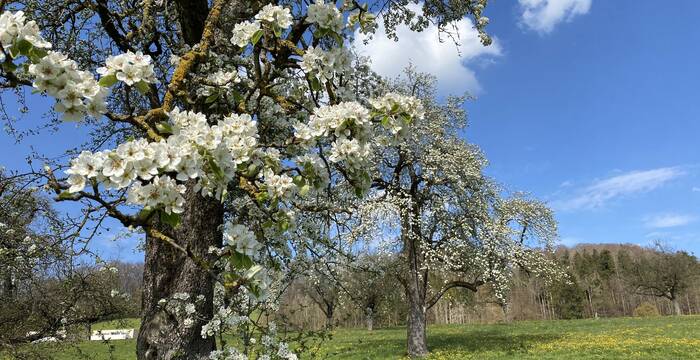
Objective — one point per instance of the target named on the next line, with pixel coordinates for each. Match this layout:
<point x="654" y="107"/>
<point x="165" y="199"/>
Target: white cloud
<point x="600" y="192"/>
<point x="543" y="15"/>
<point x="669" y="220"/>
<point x="695" y="189"/>
<point x="432" y="53"/>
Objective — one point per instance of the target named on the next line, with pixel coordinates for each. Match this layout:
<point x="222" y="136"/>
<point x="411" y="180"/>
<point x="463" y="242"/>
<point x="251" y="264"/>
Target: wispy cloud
<point x="431" y="52"/>
<point x="696" y="189"/>
<point x="602" y="191"/>
<point x="544" y="15"/>
<point x="669" y="220"/>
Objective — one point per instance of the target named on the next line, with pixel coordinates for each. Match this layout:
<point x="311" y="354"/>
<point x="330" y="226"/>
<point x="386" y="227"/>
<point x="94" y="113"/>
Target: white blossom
<point x="240" y="238"/>
<point x="275" y="15"/>
<point x="243" y="32"/>
<point x="326" y="16"/>
<point x="131" y="68"/>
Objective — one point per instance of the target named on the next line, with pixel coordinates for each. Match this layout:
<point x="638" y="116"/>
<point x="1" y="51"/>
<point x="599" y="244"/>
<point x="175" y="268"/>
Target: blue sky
<point x="589" y="105"/>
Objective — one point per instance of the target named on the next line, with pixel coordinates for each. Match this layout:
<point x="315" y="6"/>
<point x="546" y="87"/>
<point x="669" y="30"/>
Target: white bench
<point x="117" y="334"/>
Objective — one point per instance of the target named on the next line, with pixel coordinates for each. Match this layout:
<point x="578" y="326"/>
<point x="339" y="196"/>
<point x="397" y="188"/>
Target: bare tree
<point x="663" y="273"/>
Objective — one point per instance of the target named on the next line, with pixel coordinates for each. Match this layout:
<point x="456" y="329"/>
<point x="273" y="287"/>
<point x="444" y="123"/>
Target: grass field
<point x="622" y="338"/>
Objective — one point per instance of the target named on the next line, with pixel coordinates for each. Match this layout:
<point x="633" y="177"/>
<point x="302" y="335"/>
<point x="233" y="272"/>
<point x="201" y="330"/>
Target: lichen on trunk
<point x="168" y="271"/>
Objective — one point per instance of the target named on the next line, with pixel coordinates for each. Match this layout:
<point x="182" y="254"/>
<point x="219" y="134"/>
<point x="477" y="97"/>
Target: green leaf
<point x="14" y="52"/>
<point x="338" y="39"/>
<point x="254" y="270"/>
<point x="37" y="54"/>
<point x="256" y="37"/>
<point x="262" y="196"/>
<point x="315" y="83"/>
<point x="215" y="168"/>
<point x="283" y="224"/>
<point x="359" y="192"/>
<point x="107" y="81"/>
<point x="304" y="190"/>
<point x="299" y="180"/>
<point x="65" y="195"/>
<point x="9" y="66"/>
<point x="211" y="98"/>
<point x="145" y="213"/>
<point x="236" y="96"/>
<point x="385" y="121"/>
<point x="251" y="171"/>
<point x="321" y="32"/>
<point x="278" y="31"/>
<point x="224" y="194"/>
<point x="23" y="46"/>
<point x="241" y="261"/>
<point x="164" y="127"/>
<point x="142" y="87"/>
<point x="254" y="289"/>
<point x="171" y="219"/>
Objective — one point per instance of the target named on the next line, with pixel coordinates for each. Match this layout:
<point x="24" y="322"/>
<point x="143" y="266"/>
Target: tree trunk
<point x="168" y="271"/>
<point x="416" y="337"/>
<point x="417" y="346"/>
<point x="676" y="306"/>
<point x="369" y="318"/>
<point x="329" y="316"/>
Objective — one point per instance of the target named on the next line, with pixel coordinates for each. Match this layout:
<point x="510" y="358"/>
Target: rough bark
<point x="168" y="271"/>
<point x="417" y="346"/>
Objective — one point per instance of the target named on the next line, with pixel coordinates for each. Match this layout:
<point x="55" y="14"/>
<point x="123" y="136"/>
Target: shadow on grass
<point x="477" y="341"/>
<point x="391" y="344"/>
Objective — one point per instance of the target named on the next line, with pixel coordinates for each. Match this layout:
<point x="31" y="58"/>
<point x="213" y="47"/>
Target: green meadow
<point x="619" y="338"/>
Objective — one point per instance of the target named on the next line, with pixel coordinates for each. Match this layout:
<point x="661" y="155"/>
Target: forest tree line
<point x="604" y="280"/>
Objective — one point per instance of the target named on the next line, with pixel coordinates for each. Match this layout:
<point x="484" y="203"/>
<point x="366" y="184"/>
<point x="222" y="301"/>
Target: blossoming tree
<point x="215" y="124"/>
<point x="432" y="201"/>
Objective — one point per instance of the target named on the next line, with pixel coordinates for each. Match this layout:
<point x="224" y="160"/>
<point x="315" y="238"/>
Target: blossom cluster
<point x="162" y="191"/>
<point x="398" y="110"/>
<point x="14" y="28"/>
<point x="243" y="32"/>
<point x="325" y="65"/>
<point x="225" y="318"/>
<point x="130" y="68"/>
<point x="349" y="122"/>
<point x="195" y="150"/>
<point x="76" y="91"/>
<point x="275" y="15"/>
<point x="312" y="167"/>
<point x="278" y="186"/>
<point x="184" y="306"/>
<point x="325" y="16"/>
<point x="240" y="238"/>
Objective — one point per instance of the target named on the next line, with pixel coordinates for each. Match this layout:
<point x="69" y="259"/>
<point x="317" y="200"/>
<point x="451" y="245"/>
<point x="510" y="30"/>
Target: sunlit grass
<point x="622" y="338"/>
